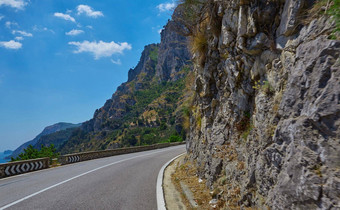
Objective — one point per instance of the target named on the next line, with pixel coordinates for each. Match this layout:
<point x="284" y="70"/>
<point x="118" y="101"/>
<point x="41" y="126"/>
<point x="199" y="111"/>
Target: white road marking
<point x="80" y="175"/>
<point x="159" y="185"/>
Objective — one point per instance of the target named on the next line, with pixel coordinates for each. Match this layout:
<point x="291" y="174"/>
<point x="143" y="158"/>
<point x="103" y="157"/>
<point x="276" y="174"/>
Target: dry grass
<point x="186" y="174"/>
<point x="316" y="11"/>
<point x="324" y="7"/>
<point x="199" y="46"/>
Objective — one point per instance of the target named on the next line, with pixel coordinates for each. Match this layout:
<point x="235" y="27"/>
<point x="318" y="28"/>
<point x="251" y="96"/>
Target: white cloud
<point x="90" y="27"/>
<point x="117" y="62"/>
<point x="88" y="11"/>
<point x="11" y="45"/>
<point x="19" y="38"/>
<point x="160" y="30"/>
<point x="74" y="32"/>
<point x="101" y="49"/>
<point x="1" y="17"/>
<point x="40" y="29"/>
<point x="64" y="16"/>
<point x="9" y="24"/>
<point x="17" y="4"/>
<point x="166" y="6"/>
<point x="22" y="33"/>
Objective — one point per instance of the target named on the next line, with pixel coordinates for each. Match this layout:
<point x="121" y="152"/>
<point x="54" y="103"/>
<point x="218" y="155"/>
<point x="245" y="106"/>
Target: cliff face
<point x="266" y="113"/>
<point x="173" y="53"/>
<point x="147" y="108"/>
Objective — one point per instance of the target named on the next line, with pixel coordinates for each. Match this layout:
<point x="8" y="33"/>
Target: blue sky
<point x="61" y="60"/>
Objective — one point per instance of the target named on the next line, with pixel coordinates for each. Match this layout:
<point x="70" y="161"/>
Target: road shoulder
<point x="173" y="198"/>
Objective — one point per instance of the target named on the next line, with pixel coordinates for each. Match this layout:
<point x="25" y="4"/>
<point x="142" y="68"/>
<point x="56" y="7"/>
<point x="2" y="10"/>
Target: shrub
<point x="175" y="138"/>
<point x="246" y="133"/>
<point x="31" y="153"/>
<point x="265" y="87"/>
<point x="199" y="45"/>
<point x="154" y="54"/>
<point x="334" y="11"/>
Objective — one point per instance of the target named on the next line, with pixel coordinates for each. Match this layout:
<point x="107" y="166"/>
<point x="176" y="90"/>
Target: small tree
<point x="31" y="153"/>
<point x="175" y="138"/>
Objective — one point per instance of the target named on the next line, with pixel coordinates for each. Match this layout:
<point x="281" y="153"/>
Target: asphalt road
<point x="119" y="182"/>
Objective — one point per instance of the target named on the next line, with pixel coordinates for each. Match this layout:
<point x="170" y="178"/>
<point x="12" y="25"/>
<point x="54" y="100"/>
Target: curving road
<point x="119" y="182"/>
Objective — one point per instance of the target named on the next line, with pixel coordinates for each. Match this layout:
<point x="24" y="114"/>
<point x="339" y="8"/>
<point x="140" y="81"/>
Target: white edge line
<point x="159" y="186"/>
<point x="67" y="180"/>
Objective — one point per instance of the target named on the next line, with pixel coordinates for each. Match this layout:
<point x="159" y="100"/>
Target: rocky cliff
<point x="147" y="108"/>
<point x="264" y="123"/>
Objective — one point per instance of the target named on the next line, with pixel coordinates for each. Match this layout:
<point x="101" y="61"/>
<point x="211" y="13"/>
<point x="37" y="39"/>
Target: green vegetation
<point x="154" y="54"/>
<point x="245" y="126"/>
<point x="246" y="133"/>
<point x="334" y="11"/>
<point x="326" y="7"/>
<point x="175" y="138"/>
<point x="145" y="111"/>
<point x="264" y="86"/>
<point x="135" y="129"/>
<point x="31" y="153"/>
<point x="57" y="138"/>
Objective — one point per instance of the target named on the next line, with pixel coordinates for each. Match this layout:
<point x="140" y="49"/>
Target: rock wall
<point x="266" y="112"/>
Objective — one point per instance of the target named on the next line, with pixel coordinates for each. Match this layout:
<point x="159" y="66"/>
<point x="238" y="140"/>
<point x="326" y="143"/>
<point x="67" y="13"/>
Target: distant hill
<point x="8" y="152"/>
<point x="48" y="130"/>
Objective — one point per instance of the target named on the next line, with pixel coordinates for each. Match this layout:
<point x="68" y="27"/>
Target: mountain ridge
<point x="46" y="131"/>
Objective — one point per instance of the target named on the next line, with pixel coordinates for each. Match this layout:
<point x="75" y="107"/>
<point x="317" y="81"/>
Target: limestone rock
<point x="266" y="112"/>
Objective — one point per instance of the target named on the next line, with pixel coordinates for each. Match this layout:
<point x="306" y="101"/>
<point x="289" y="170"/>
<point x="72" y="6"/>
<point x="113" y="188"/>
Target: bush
<point x="199" y="45"/>
<point x="154" y="54"/>
<point x="175" y="138"/>
<point x="31" y="153"/>
<point x="132" y="140"/>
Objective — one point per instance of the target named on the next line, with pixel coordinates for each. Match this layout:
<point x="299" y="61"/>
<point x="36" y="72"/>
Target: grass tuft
<point x="199" y="46"/>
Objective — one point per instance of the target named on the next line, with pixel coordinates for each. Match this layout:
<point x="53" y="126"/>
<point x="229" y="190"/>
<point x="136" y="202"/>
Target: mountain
<point x="148" y="108"/>
<point x="265" y="119"/>
<point x="48" y="130"/>
<point x="8" y="152"/>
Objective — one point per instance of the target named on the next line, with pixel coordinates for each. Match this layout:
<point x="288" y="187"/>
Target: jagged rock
<point x="257" y="44"/>
<point x="289" y="17"/>
<point x="242" y="21"/>
<point x="277" y="141"/>
<point x="170" y="59"/>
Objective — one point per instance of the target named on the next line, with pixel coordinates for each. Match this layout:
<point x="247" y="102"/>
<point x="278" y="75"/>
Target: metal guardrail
<point x="20" y="167"/>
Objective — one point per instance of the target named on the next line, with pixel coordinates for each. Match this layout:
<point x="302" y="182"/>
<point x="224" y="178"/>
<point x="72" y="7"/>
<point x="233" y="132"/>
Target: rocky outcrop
<point x="173" y="53"/>
<point x="116" y="107"/>
<point x="266" y="112"/>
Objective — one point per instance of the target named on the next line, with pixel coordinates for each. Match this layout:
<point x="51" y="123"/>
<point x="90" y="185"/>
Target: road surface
<point x="118" y="182"/>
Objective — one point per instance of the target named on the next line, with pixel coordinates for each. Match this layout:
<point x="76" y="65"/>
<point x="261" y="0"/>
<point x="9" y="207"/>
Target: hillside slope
<point x="146" y="109"/>
<point x="266" y="114"/>
<point x="37" y="141"/>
